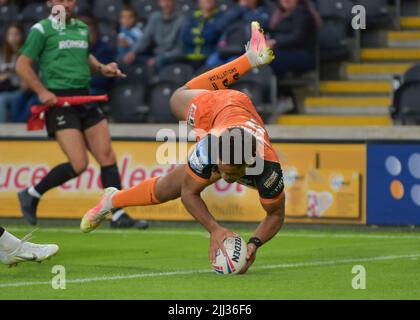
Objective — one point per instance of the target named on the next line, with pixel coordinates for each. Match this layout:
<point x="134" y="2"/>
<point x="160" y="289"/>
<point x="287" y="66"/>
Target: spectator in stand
<point x="293" y="28"/>
<point x="201" y="33"/>
<point x="246" y="11"/>
<point x="161" y="43"/>
<point x="99" y="85"/>
<point x="10" y="84"/>
<point x="130" y="32"/>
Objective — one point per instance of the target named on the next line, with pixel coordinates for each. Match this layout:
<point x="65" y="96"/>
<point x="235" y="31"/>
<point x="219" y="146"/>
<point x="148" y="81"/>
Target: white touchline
<point x="191" y="272"/>
<point x="285" y="234"/>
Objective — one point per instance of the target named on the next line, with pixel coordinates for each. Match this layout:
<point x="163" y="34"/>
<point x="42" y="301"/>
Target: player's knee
<point x="80" y="166"/>
<point x="175" y="98"/>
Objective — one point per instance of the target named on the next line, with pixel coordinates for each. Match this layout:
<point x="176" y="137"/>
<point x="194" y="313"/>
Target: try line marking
<point x="203" y="271"/>
<point x="286" y="234"/>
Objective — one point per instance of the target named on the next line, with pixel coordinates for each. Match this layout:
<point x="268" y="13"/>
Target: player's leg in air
<point x="14" y="250"/>
<point x="257" y="54"/>
<point x="159" y="190"/>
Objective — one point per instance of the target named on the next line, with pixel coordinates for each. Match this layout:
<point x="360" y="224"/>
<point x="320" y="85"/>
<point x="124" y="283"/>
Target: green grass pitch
<point x="172" y="263"/>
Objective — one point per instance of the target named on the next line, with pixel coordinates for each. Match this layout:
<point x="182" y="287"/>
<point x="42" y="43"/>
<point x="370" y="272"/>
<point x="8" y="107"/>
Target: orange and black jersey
<point x="269" y="182"/>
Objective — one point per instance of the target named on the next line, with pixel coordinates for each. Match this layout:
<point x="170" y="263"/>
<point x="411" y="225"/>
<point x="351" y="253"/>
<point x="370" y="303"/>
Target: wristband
<point x="258" y="243"/>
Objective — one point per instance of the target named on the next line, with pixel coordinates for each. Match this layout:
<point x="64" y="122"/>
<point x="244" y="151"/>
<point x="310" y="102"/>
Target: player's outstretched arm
<point x="267" y="229"/>
<point x="191" y="198"/>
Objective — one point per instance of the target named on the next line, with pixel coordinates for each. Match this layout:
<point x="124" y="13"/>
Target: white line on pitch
<point x="191" y="272"/>
<point x="286" y="234"/>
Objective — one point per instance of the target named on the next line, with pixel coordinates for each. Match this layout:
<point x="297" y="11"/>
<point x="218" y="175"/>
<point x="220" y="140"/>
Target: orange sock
<point x="140" y="195"/>
<point x="221" y="77"/>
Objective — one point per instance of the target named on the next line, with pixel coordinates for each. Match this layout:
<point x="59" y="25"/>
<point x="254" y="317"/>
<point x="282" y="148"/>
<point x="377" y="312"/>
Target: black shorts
<point x="80" y="117"/>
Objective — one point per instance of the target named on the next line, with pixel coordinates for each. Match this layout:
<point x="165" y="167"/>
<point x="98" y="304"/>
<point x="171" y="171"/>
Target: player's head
<point x="207" y="5"/>
<point x="14" y="37"/>
<point x="128" y="17"/>
<point x="288" y="5"/>
<point x="69" y="5"/>
<point x="237" y="151"/>
<point x="167" y="6"/>
<point x="251" y="3"/>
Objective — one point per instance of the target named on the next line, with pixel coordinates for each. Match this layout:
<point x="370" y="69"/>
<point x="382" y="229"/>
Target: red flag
<point x="37" y="119"/>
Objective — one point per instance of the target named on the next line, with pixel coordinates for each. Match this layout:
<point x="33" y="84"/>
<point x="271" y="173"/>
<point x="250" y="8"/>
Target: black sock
<point x="56" y="177"/>
<point x="1" y="231"/>
<point x="110" y="177"/>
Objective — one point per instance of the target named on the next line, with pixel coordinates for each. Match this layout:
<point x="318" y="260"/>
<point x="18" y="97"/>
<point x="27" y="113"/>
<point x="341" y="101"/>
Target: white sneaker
<point x="94" y="217"/>
<point x="258" y="51"/>
<point x="26" y="251"/>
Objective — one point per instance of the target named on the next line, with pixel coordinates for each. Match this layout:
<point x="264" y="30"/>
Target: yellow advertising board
<point x="307" y="169"/>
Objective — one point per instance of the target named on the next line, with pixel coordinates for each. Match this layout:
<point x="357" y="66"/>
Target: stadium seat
<point x="144" y="8"/>
<point x="333" y="41"/>
<point x="335" y="9"/>
<point x="108" y="32"/>
<point x="265" y="82"/>
<point x="255" y="92"/>
<point x="259" y="75"/>
<point x="333" y="34"/>
<point x="412" y="74"/>
<point x="225" y="5"/>
<point x="377" y="12"/>
<point x="405" y="107"/>
<point x="179" y="73"/>
<point x="8" y="13"/>
<point x="232" y="42"/>
<point x="108" y="10"/>
<point x="128" y="103"/>
<point x="202" y="69"/>
<point x="136" y="74"/>
<point x="83" y="8"/>
<point x="33" y="12"/>
<point x="160" y="95"/>
<point x="187" y="6"/>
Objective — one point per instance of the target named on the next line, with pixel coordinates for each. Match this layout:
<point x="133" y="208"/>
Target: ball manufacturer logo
<point x="237" y="251"/>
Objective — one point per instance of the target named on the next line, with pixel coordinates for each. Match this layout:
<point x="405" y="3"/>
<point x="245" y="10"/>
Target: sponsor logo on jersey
<point x="199" y="158"/>
<point x="191" y="115"/>
<point x="196" y="162"/>
<point x="73" y="44"/>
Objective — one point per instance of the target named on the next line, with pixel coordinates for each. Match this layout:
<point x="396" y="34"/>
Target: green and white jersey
<point x="63" y="55"/>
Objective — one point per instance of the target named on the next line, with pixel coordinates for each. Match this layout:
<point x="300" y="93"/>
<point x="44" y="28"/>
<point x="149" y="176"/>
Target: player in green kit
<point x="61" y="47"/>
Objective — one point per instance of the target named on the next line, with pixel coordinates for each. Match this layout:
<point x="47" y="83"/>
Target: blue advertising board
<point x="393" y="184"/>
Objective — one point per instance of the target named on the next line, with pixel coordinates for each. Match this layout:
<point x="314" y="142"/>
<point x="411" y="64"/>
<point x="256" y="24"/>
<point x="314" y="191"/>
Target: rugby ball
<point x="236" y="249"/>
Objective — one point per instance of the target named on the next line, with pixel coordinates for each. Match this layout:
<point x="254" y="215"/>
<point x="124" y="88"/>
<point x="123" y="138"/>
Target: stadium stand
<point x="352" y="82"/>
<point x="362" y="92"/>
<point x="405" y="106"/>
<point x="160" y="111"/>
<point x="179" y="73"/>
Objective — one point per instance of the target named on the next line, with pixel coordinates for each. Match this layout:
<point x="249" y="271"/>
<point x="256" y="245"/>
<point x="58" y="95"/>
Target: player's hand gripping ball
<point x="236" y="249"/>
